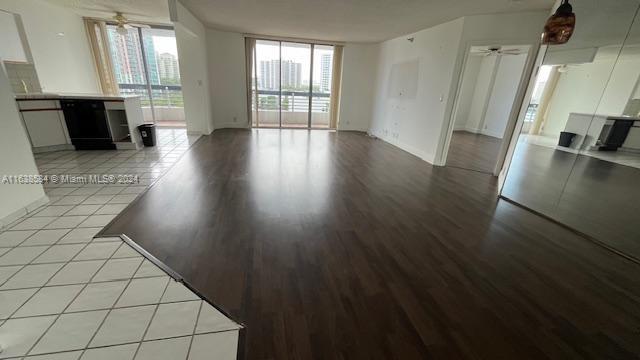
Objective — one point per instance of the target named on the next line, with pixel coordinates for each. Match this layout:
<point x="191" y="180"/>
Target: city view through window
<point x="158" y="83"/>
<point x="285" y="76"/>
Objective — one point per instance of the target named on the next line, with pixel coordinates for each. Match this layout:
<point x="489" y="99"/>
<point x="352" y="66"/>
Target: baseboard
<point x="43" y="149"/>
<point x="9" y="219"/>
<point x="492" y="134"/>
<point x="429" y="158"/>
<point x="230" y="126"/>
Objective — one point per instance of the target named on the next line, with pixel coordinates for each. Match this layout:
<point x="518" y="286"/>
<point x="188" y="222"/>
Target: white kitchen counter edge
<point x="53" y="96"/>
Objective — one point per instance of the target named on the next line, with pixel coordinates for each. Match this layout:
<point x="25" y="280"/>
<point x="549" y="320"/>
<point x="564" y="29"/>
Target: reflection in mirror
<point x="490" y="81"/>
<point x="579" y="148"/>
<point x="602" y="193"/>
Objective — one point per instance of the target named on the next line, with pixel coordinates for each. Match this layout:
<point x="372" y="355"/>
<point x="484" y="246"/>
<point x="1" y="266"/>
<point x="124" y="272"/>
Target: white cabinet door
<point x="45" y="127"/>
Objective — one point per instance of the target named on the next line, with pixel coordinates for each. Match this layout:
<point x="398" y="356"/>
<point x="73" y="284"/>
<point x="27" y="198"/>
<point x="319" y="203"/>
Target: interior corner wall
<point x="227" y="71"/>
<point x="420" y="124"/>
<point x="192" y="55"/>
<point x="59" y="45"/>
<point x="411" y="121"/>
<point x="16" y="158"/>
<point x="359" y="63"/>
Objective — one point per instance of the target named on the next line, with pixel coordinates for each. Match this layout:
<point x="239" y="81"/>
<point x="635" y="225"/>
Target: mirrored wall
<point x="577" y="159"/>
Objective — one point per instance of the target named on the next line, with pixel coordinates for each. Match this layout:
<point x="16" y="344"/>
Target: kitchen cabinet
<point x="80" y="121"/>
<point x="44" y="123"/>
<point x="45" y="128"/>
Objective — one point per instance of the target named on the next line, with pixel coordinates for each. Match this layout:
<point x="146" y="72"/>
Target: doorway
<point x="487" y="95"/>
<point x="292" y="85"/>
<point x="145" y="63"/>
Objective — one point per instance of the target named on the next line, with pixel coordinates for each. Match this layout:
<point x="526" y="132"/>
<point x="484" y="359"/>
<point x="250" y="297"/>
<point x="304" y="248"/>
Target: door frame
<point x="143" y="52"/>
<point x="445" y="142"/>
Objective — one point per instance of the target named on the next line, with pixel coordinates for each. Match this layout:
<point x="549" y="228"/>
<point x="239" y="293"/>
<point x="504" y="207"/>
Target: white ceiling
<point x="152" y="11"/>
<point x="336" y="20"/>
<point x="345" y="20"/>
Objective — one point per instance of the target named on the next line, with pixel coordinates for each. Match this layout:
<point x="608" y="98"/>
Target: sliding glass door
<point x="145" y="63"/>
<point x="267" y="82"/>
<point x="295" y="77"/>
<point x="291" y="85"/>
<point x="323" y="79"/>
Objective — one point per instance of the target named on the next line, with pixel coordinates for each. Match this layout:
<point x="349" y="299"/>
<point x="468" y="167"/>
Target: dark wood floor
<point x="473" y="151"/>
<point x="597" y="197"/>
<point x="337" y="246"/>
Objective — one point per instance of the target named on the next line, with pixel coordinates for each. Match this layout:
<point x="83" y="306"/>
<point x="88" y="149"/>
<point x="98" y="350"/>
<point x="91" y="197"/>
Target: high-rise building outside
<point x="126" y="57"/>
<point x="270" y="70"/>
<point x="168" y="68"/>
<point x="152" y="61"/>
<point x="325" y="72"/>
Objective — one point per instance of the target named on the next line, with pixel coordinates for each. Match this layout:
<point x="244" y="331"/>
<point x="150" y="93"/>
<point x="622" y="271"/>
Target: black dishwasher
<point x="87" y="124"/>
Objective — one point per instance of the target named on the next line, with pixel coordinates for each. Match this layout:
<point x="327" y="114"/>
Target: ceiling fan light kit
<point x="122" y="30"/>
<point x="123" y="24"/>
<point x="560" y="26"/>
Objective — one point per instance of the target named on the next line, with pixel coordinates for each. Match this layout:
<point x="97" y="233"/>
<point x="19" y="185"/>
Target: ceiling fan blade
<point x="144" y="26"/>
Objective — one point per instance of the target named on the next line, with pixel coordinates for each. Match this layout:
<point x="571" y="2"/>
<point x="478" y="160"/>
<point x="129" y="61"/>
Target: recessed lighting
<point x="60" y="34"/>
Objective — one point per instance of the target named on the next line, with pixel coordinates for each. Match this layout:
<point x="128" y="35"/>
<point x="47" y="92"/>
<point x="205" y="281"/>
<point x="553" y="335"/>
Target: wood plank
<point x="338" y="246"/>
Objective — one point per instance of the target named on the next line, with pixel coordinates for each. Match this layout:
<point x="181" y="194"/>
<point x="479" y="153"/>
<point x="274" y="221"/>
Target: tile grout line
<point x="49" y="279"/>
<point x="26" y="357"/>
<point x="155" y="163"/>
<point x="155" y="311"/>
<point x="111" y="308"/>
<point x="193" y="333"/>
<point x="49" y="246"/>
<point x="105" y="308"/>
<point x="94" y="282"/>
<point x="66" y="307"/>
<point x="41" y="287"/>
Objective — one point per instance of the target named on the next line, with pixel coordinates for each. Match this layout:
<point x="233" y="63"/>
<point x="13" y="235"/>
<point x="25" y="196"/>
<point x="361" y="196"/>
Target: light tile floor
<point x="65" y="294"/>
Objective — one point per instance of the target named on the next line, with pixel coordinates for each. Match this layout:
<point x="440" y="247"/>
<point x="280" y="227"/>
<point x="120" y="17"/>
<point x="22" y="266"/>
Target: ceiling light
<point x="122" y="30"/>
<point x="560" y="26"/>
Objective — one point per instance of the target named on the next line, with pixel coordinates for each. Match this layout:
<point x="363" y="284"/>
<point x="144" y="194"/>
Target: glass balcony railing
<point x="293" y="107"/>
<point x="168" y="103"/>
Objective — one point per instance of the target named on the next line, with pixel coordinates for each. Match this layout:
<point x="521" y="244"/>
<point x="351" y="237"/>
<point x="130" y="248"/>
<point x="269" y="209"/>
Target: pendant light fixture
<point x="560" y="26"/>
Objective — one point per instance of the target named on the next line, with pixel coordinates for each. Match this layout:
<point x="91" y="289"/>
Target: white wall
<point x="481" y="94"/>
<point x="467" y="91"/>
<point x="503" y="93"/>
<point x="64" y="63"/>
<point x="226" y="55"/>
<point x="592" y="79"/>
<point x="12" y="48"/>
<point x="194" y="69"/>
<point x="421" y="125"/>
<point x="227" y="78"/>
<point x="359" y="63"/>
<point x="414" y="123"/>
<point x="16" y="158"/>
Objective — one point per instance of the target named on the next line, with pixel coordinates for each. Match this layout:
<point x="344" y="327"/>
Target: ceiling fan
<point x="123" y="24"/>
<point x="497" y="50"/>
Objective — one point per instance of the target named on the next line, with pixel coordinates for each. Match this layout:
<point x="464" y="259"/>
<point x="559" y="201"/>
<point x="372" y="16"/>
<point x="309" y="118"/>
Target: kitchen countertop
<point x="71" y="96"/>
<point x="623" y="117"/>
<point x="610" y="117"/>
